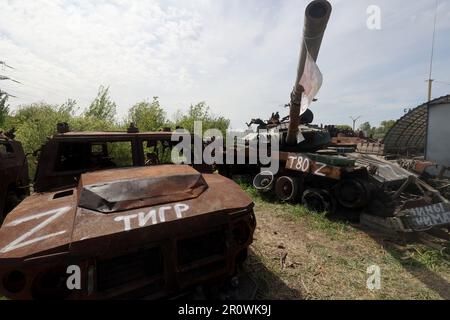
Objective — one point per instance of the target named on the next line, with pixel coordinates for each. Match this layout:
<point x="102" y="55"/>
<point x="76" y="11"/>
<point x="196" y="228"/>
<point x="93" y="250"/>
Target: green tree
<point x="102" y="107"/>
<point x="4" y="108"/>
<point x="343" y="127"/>
<point x="201" y="112"/>
<point x="148" y="116"/>
<point x="387" y="125"/>
<point x="383" y="129"/>
<point x="377" y="132"/>
<point x="35" y="122"/>
<point x="366" y="127"/>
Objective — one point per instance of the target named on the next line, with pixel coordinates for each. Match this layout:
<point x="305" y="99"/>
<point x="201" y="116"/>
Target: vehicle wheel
<point x="318" y="201"/>
<point x="353" y="193"/>
<point x="286" y="188"/>
<point x="264" y="181"/>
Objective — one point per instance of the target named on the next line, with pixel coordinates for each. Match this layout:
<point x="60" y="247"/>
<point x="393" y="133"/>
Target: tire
<point x="353" y="193"/>
<point x="287" y="188"/>
<point x="318" y="201"/>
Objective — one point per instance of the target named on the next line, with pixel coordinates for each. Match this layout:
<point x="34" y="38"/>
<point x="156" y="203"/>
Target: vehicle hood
<point x="126" y="189"/>
<point x="114" y="202"/>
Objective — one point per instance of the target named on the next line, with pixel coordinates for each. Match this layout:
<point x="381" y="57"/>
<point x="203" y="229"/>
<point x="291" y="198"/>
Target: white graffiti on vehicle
<point x="24" y="239"/>
<point x="153" y="215"/>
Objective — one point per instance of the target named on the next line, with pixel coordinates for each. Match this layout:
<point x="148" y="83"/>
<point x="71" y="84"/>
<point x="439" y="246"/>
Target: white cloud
<point x="238" y="56"/>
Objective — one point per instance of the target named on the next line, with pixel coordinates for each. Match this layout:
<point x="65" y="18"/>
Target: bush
<point x="35" y="122"/>
<point x="148" y="116"/>
<point x="201" y="112"/>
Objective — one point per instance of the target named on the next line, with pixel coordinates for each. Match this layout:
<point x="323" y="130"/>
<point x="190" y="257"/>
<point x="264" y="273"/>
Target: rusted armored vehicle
<point x="13" y="173"/>
<point x="324" y="176"/>
<point x="112" y="208"/>
<point x="304" y="173"/>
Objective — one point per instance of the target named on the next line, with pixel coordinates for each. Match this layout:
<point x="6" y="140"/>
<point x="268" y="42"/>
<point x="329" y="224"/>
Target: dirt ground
<point x="300" y="255"/>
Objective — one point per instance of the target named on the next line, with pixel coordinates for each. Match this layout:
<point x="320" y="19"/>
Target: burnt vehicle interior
<point x="5" y="149"/>
<point x="91" y="156"/>
<point x="66" y="156"/>
<point x="81" y="156"/>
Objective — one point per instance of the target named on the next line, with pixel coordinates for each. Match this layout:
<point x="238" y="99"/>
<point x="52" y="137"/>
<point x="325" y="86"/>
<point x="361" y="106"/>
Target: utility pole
<point x="3" y="63"/>
<point x="430" y="81"/>
<point x="354" y="121"/>
<point x="2" y="77"/>
<point x="430" y="87"/>
<point x="8" y="78"/>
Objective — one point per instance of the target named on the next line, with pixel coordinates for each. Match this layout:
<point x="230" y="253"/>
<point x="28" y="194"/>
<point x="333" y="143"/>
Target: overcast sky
<point x="238" y="56"/>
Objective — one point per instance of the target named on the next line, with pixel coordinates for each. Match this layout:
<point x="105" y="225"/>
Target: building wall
<point x="438" y="136"/>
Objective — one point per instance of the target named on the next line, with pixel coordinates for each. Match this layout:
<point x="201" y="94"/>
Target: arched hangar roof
<point x="409" y="132"/>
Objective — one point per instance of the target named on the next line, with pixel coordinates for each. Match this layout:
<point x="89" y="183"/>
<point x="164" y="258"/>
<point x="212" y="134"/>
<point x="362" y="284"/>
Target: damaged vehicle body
<point x="139" y="227"/>
<point x="13" y="173"/>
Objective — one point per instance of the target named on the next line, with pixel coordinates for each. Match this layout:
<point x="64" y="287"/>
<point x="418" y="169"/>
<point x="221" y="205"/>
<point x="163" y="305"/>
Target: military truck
<point x="112" y="208"/>
<point x="13" y="173"/>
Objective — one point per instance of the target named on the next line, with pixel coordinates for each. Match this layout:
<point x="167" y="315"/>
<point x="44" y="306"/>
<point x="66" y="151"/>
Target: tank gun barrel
<point x="317" y="14"/>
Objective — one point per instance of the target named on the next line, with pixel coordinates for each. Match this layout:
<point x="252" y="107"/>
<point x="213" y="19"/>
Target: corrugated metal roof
<point x="409" y="132"/>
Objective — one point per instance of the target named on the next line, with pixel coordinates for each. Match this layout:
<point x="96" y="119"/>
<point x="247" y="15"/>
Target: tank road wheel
<point x="330" y="200"/>
<point x="286" y="188"/>
<point x="353" y="193"/>
<point x="319" y="201"/>
<point x="263" y="181"/>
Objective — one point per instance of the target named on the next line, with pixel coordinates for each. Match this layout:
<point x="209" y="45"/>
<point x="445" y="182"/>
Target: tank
<point x="121" y="225"/>
<point x="317" y="14"/>
<point x="345" y="174"/>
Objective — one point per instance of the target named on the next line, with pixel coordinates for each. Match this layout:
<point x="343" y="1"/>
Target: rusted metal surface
<point x="382" y="171"/>
<point x="304" y="163"/>
<point x="416" y="165"/>
<point x="346" y="141"/>
<point x="186" y="242"/>
<point x="132" y="188"/>
<point x="347" y="138"/>
<point x="13" y="173"/>
<point x="146" y="231"/>
<point x="370" y="148"/>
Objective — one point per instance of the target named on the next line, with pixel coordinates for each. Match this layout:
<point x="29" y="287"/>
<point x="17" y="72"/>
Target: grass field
<point x="301" y="255"/>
